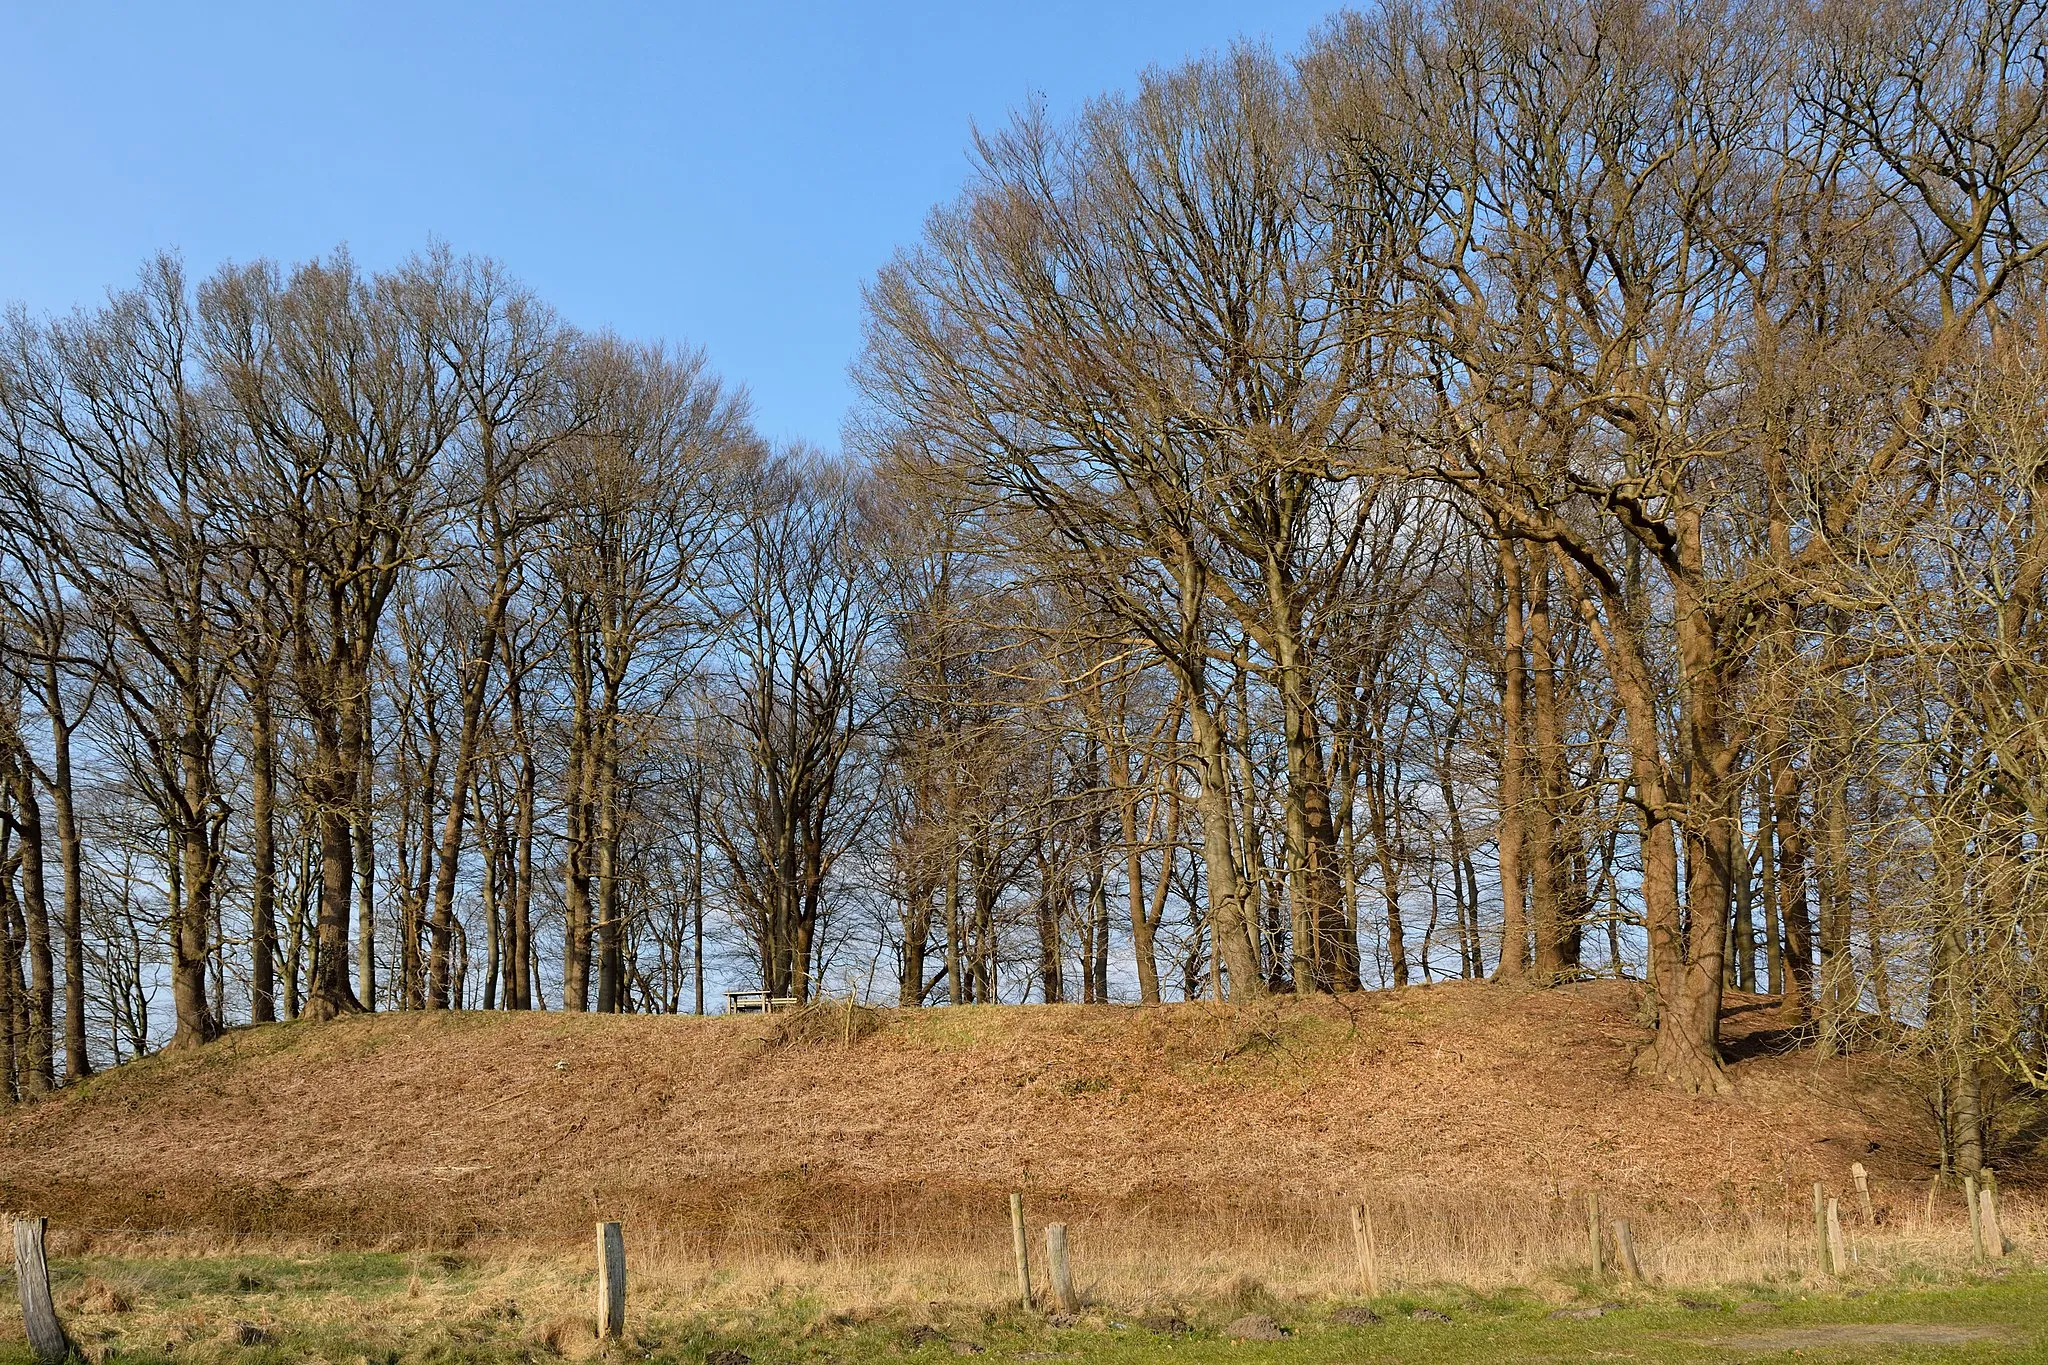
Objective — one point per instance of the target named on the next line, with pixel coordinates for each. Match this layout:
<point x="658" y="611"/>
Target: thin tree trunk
<point x="476" y="680"/>
<point x="1513" y="837"/>
<point x="263" y="854"/>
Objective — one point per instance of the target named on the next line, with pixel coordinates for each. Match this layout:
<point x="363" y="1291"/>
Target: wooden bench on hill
<point x="758" y="1002"/>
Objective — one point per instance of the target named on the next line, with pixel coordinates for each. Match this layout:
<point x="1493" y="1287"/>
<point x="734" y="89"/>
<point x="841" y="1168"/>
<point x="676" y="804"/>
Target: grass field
<point x="384" y="1309"/>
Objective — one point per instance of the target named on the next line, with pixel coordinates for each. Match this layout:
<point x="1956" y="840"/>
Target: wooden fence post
<point x="1022" y="1247"/>
<point x="611" y="1282"/>
<point x="1625" y="1250"/>
<point x="1838" y="1245"/>
<point x="1368" y="1254"/>
<point x="46" y="1339"/>
<point x="1820" y="1230"/>
<point x="1993" y="1243"/>
<point x="1976" y="1215"/>
<point x="1862" y="1179"/>
<point x="1056" y="1267"/>
<point x="1933" y="1188"/>
<point x="1596" y="1245"/>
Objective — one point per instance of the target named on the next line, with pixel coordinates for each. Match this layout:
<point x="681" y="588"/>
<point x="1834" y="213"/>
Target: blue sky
<point x="727" y="175"/>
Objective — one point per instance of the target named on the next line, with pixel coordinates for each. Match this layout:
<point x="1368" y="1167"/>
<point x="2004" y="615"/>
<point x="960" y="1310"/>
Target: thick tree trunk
<point x="1235" y="951"/>
<point x="38" y="1044"/>
<point x="13" y="990"/>
<point x="1557" y="936"/>
<point x="1051" y="949"/>
<point x="365" y="854"/>
<point x="576" y="868"/>
<point x="1687" y="953"/>
<point x="1324" y="954"/>
<point x="192" y="915"/>
<point x="519" y="934"/>
<point x="918" y="914"/>
<point x="610" y="918"/>
<point x="1796" y="918"/>
<point x="71" y="856"/>
<point x="333" y="787"/>
<point x="1685" y="1050"/>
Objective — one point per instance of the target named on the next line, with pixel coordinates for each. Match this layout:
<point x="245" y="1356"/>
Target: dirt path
<point x="1857" y="1334"/>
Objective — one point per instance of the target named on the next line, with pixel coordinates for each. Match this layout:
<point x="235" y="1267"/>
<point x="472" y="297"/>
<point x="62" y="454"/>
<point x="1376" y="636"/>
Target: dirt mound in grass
<point x="452" y="1125"/>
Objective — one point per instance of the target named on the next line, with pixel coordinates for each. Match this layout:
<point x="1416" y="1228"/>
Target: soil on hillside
<point x="452" y="1125"/>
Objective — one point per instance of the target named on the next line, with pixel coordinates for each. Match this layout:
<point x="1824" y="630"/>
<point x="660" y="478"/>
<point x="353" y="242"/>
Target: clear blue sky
<point x="722" y="174"/>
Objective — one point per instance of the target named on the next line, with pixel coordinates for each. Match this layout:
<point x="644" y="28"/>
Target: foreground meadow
<point x="395" y="1308"/>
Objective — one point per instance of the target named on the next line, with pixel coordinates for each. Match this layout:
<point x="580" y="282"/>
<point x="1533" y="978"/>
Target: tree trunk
<point x="13" y="991"/>
<point x="575" y="869"/>
<point x="1229" y="929"/>
<point x="1051" y="949"/>
<point x="1142" y="946"/>
<point x="1687" y="952"/>
<point x="38" y="1044"/>
<point x="610" y="919"/>
<point x="519" y="932"/>
<point x="333" y="786"/>
<point x="192" y="915"/>
<point x="1686" y="1049"/>
<point x="476" y="678"/>
<point x="263" y="854"/>
<point x="1557" y="937"/>
<point x="71" y="855"/>
<point x="365" y="854"/>
<point x="1513" y="837"/>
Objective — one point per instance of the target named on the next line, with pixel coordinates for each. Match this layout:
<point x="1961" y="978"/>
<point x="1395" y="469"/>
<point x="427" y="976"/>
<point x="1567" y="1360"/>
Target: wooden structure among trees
<point x="758" y="1002"/>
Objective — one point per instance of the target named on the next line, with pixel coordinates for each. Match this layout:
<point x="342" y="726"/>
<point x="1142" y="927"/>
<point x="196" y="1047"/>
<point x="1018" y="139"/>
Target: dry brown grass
<point x="541" y="1292"/>
<point x="1438" y="1241"/>
<point x="1474" y="1118"/>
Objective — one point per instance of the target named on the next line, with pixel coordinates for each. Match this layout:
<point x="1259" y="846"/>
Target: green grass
<point x="385" y="1309"/>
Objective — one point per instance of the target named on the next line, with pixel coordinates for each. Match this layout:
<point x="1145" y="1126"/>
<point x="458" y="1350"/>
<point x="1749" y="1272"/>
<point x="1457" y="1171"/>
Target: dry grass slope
<point x="912" y="1123"/>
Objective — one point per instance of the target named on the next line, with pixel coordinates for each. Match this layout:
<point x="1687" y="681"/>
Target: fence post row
<point x="611" y="1282"/>
<point x="46" y="1339"/>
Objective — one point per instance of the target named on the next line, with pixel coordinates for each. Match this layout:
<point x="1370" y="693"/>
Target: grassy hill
<point x="458" y="1125"/>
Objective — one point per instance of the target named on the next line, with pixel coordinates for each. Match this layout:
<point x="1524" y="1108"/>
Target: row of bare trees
<point x="1514" y="490"/>
<point x="345" y="610"/>
<point x="1610" y="429"/>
